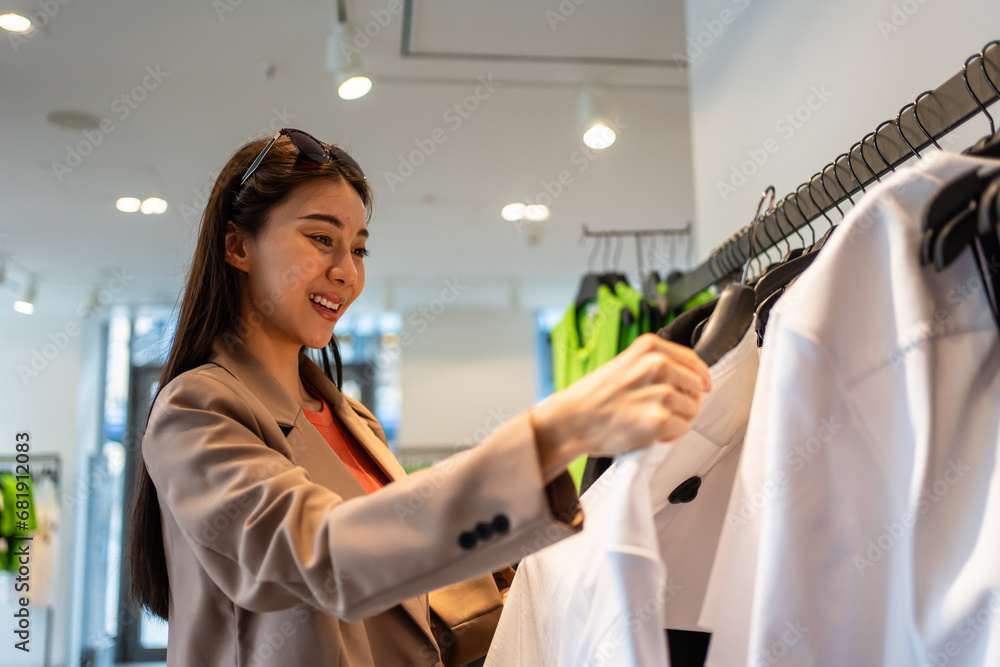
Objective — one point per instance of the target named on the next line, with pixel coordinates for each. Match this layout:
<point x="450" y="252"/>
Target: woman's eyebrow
<point x="333" y="220"/>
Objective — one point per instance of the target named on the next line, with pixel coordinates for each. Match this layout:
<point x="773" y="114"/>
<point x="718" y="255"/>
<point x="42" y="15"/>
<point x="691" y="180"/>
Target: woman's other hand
<point x="650" y="392"/>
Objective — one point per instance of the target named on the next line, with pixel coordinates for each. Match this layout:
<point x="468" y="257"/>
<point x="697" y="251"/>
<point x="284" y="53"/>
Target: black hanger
<point x="988" y="247"/>
<point x="952" y="219"/>
<point x="899" y="129"/>
<point x="988" y="146"/>
<point x="735" y="309"/>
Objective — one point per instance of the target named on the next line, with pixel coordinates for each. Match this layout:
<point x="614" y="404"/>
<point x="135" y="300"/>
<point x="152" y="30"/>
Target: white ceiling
<point x="441" y="222"/>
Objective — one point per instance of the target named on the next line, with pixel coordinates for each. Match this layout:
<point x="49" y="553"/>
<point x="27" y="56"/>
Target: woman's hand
<point x="650" y="392"/>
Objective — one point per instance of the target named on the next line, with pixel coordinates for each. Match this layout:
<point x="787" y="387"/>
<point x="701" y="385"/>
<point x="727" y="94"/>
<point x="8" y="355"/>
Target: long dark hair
<point x="210" y="308"/>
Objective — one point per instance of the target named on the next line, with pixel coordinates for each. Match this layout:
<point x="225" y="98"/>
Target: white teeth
<point x="329" y="305"/>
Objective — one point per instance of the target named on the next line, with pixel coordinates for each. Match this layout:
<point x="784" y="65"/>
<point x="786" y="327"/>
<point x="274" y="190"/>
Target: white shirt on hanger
<point x="863" y="526"/>
<point x="603" y="597"/>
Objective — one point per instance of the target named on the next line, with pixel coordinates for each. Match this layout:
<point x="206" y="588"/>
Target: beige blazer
<point x="277" y="556"/>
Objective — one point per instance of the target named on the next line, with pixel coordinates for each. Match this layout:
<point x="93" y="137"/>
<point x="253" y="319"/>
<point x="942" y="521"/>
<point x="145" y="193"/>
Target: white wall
<point x="857" y="61"/>
<point x="462" y="372"/>
<point x="58" y="406"/>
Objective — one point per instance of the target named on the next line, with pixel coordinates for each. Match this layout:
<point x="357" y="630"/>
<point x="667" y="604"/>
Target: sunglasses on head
<point x="309" y="147"/>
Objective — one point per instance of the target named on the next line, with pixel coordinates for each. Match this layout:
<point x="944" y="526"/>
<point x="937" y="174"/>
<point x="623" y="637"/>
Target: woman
<point x="262" y="540"/>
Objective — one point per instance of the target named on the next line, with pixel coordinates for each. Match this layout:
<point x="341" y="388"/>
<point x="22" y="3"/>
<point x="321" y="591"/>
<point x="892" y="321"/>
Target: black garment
<point x="687" y="648"/>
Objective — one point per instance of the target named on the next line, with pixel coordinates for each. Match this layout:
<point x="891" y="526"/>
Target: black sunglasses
<point x="310" y="147"/>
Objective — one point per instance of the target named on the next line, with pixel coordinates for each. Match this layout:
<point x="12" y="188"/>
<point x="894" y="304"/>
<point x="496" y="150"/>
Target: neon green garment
<point x="574" y="355"/>
<point x="10" y="517"/>
<point x="581" y="342"/>
<point x="632" y="299"/>
<point x="701" y="297"/>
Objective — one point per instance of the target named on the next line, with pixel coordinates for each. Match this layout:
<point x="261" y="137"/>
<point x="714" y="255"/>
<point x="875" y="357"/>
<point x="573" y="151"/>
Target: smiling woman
<point x="272" y="524"/>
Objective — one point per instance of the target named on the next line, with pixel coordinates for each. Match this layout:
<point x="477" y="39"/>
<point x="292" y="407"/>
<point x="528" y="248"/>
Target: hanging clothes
<point x="603" y="597"/>
<point x="45" y="543"/>
<point x="862" y="525"/>
<point x="15" y="520"/>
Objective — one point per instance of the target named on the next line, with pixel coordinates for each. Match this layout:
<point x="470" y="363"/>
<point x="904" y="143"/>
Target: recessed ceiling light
<point x="536" y="212"/>
<point x="128" y="204"/>
<point x="15" y="23"/>
<point x="153" y="205"/>
<point x="512" y="212"/>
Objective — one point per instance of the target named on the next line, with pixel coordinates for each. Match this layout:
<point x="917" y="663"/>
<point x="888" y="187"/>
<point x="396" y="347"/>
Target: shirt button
<point x="501" y="524"/>
<point x="484" y="531"/>
<point x="467" y="540"/>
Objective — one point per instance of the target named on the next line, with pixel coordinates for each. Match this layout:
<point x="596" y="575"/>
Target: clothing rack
<point x="919" y="124"/>
<point x="50" y="465"/>
<point x="636" y="234"/>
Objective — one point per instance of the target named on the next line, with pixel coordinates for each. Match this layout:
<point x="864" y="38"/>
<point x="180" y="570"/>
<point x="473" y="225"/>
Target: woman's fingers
<point x="684" y="405"/>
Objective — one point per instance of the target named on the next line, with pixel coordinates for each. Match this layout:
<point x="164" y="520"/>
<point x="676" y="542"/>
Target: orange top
<point x="344" y="445"/>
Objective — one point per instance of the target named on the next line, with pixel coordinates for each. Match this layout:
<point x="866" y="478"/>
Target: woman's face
<point x="312" y="245"/>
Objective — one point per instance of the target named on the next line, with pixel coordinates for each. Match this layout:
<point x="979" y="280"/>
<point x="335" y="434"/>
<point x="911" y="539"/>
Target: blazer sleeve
<point x="270" y="538"/>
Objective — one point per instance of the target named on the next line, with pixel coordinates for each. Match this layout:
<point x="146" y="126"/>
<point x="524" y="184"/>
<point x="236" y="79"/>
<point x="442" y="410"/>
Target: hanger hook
<point x="781" y="230"/>
<point x="822" y="182"/>
<point x="795" y="229"/>
<point x="850" y="164"/>
<point x="982" y="66"/>
<point x="863" y="159"/>
<point x="916" y="118"/>
<point x="899" y="128"/>
<point x="837" y="176"/>
<point x="770" y="240"/>
<point x="809" y="191"/>
<point x="808" y="222"/>
<point x="875" y="144"/>
<point x="753" y="227"/>
<point x="593" y="250"/>
<point x="979" y="102"/>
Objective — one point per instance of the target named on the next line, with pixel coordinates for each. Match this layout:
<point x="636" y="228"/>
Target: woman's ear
<point x="236" y="247"/>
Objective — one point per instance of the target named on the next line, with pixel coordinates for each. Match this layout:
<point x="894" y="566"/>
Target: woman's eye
<point x="362" y="252"/>
<point x="323" y="236"/>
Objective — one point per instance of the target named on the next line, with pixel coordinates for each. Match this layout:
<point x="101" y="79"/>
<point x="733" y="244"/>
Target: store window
<point x="138" y="343"/>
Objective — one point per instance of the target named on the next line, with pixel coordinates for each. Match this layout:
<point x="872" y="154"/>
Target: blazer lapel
<point x="310" y="449"/>
<point x="355" y="423"/>
<point x="417" y="608"/>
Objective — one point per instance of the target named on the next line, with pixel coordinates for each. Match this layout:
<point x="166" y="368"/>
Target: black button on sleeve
<point x="501" y="524"/>
<point x="467" y="540"/>
<point x="484" y="531"/>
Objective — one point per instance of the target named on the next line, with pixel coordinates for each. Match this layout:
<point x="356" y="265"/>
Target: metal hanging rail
<point x="918" y="125"/>
<point x="636" y="234"/>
